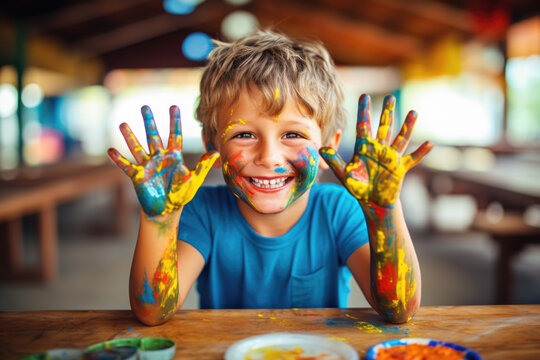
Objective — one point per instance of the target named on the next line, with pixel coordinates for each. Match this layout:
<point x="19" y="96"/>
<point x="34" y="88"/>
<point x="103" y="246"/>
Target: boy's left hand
<point x="376" y="171"/>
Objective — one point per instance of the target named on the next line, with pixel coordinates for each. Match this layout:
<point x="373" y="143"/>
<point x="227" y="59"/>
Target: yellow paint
<point x="274" y="353"/>
<point x="231" y="126"/>
<point x="367" y="327"/>
<point x="351" y="317"/>
<point x="381" y="240"/>
<point x="338" y="338"/>
<point x="260" y="315"/>
<point x="166" y="280"/>
<point x="139" y="174"/>
<point x="182" y="192"/>
<point x="276" y="94"/>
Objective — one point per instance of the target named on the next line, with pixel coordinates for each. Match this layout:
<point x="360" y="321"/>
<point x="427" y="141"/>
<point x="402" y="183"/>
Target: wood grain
<point x="495" y="332"/>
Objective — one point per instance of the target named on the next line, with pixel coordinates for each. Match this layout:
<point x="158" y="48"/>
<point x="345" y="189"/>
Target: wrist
<point x="373" y="211"/>
<point x="166" y="217"/>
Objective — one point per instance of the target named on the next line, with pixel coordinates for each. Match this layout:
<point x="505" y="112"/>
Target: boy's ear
<point x="334" y="144"/>
<point x="209" y="147"/>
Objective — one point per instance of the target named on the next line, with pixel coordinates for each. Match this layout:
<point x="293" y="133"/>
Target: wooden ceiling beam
<point x="149" y="28"/>
<point x="352" y="42"/>
<point x="80" y="13"/>
<point x="436" y="11"/>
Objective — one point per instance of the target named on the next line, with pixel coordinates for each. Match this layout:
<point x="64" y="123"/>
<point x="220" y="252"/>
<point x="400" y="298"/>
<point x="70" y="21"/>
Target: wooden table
<point x="495" y="332"/>
<point x="39" y="190"/>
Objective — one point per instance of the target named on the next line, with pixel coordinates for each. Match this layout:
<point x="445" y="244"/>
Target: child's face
<point x="268" y="162"/>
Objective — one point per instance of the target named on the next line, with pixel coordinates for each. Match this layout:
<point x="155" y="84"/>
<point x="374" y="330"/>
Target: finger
<point x="175" y="134"/>
<point x="199" y="173"/>
<point x="412" y="159"/>
<point x="134" y="146"/>
<point x="152" y="134"/>
<point x="384" y="133"/>
<point x="402" y="139"/>
<point x="122" y="162"/>
<point x="205" y="164"/>
<point x="363" y="123"/>
<point x="334" y="160"/>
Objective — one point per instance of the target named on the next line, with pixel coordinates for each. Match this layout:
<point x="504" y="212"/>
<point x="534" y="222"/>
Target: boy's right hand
<point x="162" y="181"/>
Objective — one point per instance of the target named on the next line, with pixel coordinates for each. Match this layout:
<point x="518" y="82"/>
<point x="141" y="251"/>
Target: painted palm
<point x="162" y="181"/>
<point x="376" y="171"/>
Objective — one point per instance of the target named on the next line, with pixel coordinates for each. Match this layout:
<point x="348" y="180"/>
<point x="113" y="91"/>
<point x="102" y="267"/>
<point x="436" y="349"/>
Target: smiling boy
<point x="272" y="238"/>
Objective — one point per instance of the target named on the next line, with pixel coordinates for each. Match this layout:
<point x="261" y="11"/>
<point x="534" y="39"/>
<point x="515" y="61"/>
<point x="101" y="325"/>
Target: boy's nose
<point x="269" y="154"/>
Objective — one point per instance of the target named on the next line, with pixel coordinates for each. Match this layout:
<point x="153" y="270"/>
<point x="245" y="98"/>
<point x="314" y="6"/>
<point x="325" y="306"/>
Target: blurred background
<point x="71" y="71"/>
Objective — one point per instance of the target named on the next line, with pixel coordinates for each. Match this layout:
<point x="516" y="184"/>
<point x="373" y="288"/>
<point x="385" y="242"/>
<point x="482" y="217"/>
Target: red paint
<point x="385" y="281"/>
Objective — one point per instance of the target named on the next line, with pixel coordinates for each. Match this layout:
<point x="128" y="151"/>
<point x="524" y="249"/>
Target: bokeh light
<point x="237" y="2"/>
<point x="238" y="24"/>
<point x="32" y="95"/>
<point x="8" y="100"/>
<point x="180" y="7"/>
<point x="197" y="46"/>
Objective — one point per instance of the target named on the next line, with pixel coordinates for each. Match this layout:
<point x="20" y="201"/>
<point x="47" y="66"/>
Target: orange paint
<point x="419" y="351"/>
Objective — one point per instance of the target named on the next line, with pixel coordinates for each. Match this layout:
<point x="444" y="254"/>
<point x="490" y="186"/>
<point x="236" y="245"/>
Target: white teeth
<point x="268" y="184"/>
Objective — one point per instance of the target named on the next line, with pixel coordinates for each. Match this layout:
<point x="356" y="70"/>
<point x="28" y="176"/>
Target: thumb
<point x="204" y="165"/>
<point x="334" y="160"/>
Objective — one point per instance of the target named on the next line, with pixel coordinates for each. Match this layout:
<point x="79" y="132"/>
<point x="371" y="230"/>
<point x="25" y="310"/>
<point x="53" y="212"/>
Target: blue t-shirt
<point x="306" y="267"/>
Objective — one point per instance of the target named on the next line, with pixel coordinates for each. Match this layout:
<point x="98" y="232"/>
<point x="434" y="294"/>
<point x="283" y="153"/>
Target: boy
<point x="270" y="106"/>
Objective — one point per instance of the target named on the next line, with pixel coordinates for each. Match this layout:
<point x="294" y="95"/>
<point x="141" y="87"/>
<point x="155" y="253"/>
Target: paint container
<point x="291" y="346"/>
<point x="156" y="349"/>
<point x="467" y="354"/>
<point x="56" y="354"/>
<point x="132" y="349"/>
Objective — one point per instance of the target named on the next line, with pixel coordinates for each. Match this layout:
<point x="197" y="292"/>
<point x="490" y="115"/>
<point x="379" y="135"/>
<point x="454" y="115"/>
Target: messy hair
<point x="270" y="62"/>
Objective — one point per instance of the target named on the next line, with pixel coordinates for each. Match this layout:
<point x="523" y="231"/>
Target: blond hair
<point x="272" y="62"/>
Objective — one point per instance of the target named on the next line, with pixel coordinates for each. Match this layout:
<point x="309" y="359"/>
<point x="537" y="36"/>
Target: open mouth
<point x="274" y="183"/>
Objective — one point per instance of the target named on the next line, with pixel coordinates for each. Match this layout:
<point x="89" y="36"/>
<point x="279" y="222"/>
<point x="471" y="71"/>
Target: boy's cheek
<point x="307" y="161"/>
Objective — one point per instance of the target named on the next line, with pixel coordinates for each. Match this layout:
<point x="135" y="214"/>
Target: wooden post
<point x="48" y="242"/>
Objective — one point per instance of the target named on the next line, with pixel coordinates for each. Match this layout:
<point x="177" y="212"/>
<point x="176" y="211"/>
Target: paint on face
<point x="232" y="174"/>
<point x="305" y="166"/>
<point x="231" y="125"/>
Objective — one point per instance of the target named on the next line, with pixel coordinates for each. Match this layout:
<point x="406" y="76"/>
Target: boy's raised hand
<point x="376" y="171"/>
<point x="162" y="181"/>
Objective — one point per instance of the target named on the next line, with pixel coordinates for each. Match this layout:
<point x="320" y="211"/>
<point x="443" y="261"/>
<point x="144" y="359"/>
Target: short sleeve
<point x="195" y="226"/>
<point x="349" y="223"/>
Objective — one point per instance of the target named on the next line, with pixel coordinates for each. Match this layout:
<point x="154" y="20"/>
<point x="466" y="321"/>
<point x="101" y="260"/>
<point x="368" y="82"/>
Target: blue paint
<point x="280" y="170"/>
<point x="350" y="322"/>
<point x="148" y="295"/>
<point x="130" y="328"/>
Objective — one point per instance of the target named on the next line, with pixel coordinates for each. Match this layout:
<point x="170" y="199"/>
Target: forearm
<point x="395" y="273"/>
<point x="153" y="282"/>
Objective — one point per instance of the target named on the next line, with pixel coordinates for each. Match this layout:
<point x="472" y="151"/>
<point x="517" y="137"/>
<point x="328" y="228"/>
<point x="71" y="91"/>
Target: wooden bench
<point x="511" y="234"/>
<point x="39" y="190"/>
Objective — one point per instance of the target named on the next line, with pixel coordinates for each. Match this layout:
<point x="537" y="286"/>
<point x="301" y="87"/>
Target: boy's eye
<point x="243" y="135"/>
<point x="293" y="135"/>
